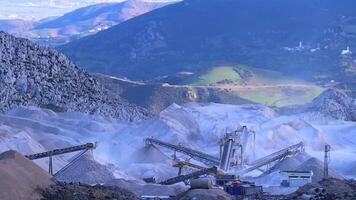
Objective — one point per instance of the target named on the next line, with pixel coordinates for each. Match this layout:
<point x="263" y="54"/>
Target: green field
<point x="215" y="75"/>
<point x="281" y="96"/>
<point x="257" y="85"/>
<point x="232" y="74"/>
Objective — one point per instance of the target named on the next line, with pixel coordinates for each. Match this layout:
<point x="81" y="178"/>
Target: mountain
<point x="15" y="25"/>
<point x="82" y="22"/>
<point x="31" y="74"/>
<point x="302" y="38"/>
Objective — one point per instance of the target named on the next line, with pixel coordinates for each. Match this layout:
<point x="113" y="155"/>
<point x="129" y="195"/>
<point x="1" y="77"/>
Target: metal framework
<point x="196" y="174"/>
<point x="279" y="155"/>
<point x="55" y="152"/>
<point x="196" y="155"/>
<point x="326" y="160"/>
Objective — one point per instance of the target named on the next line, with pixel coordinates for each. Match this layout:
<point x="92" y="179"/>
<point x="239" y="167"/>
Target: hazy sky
<point x="37" y="9"/>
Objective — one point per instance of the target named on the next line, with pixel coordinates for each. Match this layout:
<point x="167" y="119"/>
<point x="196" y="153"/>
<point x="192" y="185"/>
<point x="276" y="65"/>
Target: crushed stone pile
<point x="144" y="189"/>
<point x="149" y="154"/>
<point x="317" y="167"/>
<point x="206" y="194"/>
<point x="350" y="169"/>
<point x="20" y="177"/>
<point x="290" y="163"/>
<point x="79" y="191"/>
<point x="86" y="170"/>
<point x="334" y="189"/>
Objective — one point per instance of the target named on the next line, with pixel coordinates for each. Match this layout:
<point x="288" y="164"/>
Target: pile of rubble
<point x="86" y="170"/>
<point x="330" y="188"/>
<point x="78" y="191"/>
<point x="20" y="178"/>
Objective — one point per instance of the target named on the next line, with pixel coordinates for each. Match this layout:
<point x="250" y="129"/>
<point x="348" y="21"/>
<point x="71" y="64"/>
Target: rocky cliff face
<point x="31" y="74"/>
<point x="333" y="103"/>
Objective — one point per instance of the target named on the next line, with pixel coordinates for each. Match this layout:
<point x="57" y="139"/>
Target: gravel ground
<point x="78" y="191"/>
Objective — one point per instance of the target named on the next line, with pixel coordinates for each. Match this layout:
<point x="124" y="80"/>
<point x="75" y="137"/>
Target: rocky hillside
<point x="31" y="74"/>
<point x="333" y="103"/>
<point x="80" y="22"/>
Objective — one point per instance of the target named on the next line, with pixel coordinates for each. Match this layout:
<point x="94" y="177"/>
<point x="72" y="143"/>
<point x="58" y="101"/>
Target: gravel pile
<point x="334" y="189"/>
<point x="317" y="167"/>
<point x="78" y="191"/>
<point x="20" y="178"/>
<point x="86" y="170"/>
<point x="205" y="194"/>
<point x="143" y="189"/>
<point x="149" y="154"/>
<point x="290" y="163"/>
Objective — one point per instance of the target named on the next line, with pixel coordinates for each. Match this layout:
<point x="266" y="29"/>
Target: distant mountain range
<point x="303" y="38"/>
<point x="78" y="23"/>
<point x="34" y="75"/>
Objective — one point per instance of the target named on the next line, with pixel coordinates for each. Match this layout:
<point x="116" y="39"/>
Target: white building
<point x="346" y="51"/>
<point x="296" y="178"/>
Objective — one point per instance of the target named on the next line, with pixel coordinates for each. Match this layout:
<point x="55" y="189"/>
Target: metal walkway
<point x="196" y="155"/>
<point x="197" y="174"/>
<point x="279" y="155"/>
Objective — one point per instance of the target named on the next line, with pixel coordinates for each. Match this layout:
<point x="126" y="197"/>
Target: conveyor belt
<point x="206" y="171"/>
<point x="196" y="155"/>
<point x="292" y="150"/>
<point x="187" y="164"/>
<point x="87" y="146"/>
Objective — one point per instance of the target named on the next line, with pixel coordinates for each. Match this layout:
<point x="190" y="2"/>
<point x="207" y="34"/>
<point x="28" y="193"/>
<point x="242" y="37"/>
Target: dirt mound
<point x="149" y="154"/>
<point x="64" y="191"/>
<point x="86" y="170"/>
<point x="334" y="188"/>
<point x="204" y="194"/>
<point x="317" y="167"/>
<point x="144" y="189"/>
<point x="20" y="177"/>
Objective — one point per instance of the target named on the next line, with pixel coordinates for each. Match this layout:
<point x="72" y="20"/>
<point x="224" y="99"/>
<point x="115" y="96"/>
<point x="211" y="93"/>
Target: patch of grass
<point x="264" y="77"/>
<point x="241" y="74"/>
<point x="215" y="75"/>
<point x="282" y="96"/>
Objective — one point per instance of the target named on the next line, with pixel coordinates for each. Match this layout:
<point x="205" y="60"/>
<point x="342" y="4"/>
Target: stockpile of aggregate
<point x="333" y="189"/>
<point x="20" y="178"/>
<point x="149" y="154"/>
<point x="317" y="167"/>
<point x="79" y="191"/>
<point x="291" y="163"/>
<point x="206" y="194"/>
<point x="144" y="189"/>
<point x="86" y="170"/>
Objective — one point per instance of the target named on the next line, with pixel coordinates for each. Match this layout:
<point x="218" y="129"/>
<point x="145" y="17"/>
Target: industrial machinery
<point x="277" y="156"/>
<point x="326" y="160"/>
<point x="196" y="155"/>
<point x="84" y="148"/>
<point x="232" y="148"/>
<point x="196" y="174"/>
<point x="232" y="151"/>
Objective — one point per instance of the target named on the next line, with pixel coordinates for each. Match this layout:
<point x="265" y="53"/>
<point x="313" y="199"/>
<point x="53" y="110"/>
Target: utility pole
<point x="326" y="160"/>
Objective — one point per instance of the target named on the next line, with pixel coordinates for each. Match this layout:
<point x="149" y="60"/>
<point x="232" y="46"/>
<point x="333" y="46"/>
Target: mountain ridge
<point x="305" y="39"/>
